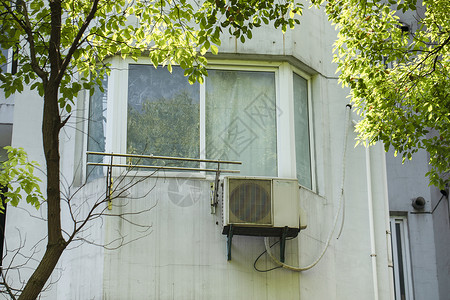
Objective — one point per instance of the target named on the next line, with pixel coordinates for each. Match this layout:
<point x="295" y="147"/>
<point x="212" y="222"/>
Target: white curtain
<point x="241" y="117"/>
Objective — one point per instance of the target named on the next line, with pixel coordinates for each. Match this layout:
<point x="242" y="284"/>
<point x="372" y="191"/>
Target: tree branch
<point x="26" y="26"/>
<point x="75" y="44"/>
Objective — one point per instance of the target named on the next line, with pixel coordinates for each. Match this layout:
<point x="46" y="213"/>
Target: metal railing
<point x="136" y="166"/>
<point x="214" y="187"/>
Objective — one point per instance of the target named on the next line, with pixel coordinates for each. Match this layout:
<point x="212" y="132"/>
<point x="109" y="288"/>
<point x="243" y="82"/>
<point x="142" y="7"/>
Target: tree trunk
<point x="40" y="276"/>
<point x="51" y="125"/>
<point x="56" y="243"/>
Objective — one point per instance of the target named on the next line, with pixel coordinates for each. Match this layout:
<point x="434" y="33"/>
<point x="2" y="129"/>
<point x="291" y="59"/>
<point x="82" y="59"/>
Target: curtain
<point x="241" y="119"/>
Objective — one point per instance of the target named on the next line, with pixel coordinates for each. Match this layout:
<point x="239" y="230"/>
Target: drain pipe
<point x="373" y="254"/>
<point x="388" y="226"/>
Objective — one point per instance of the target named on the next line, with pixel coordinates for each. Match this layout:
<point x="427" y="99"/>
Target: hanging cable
<point x="341" y="197"/>
<point x="432" y="211"/>
<point x="271" y="269"/>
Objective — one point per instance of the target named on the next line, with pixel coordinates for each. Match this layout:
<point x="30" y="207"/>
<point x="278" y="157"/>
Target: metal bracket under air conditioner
<point x="229" y="238"/>
<point x="281" y="232"/>
<point x="215" y="190"/>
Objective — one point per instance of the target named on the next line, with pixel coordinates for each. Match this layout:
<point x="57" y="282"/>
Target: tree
<point x="59" y="46"/>
<point x="398" y="74"/>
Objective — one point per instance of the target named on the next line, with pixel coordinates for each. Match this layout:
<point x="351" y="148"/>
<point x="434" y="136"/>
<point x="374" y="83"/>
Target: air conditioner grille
<point x="250" y="201"/>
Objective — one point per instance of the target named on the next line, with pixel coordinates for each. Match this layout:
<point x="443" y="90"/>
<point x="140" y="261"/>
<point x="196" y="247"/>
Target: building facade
<point x="273" y="103"/>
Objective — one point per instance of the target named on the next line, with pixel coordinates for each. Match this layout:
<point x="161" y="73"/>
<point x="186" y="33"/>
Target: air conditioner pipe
<point x="336" y="217"/>
<point x="388" y="227"/>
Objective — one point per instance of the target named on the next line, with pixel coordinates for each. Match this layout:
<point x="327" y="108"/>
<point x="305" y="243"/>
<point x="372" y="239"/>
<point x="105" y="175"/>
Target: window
<point x="97" y="118"/>
<point x="401" y="258"/>
<point x="241" y="113"/>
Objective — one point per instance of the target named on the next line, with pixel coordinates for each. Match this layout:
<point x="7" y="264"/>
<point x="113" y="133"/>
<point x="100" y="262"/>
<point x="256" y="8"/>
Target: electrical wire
<point x="341" y="197"/>
<point x="271" y="269"/>
<point x="437" y="204"/>
<point x="256" y="260"/>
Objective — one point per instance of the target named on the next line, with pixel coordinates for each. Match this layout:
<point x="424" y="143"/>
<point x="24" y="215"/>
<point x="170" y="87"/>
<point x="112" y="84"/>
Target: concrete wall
<point x="183" y="255"/>
<point x="429" y="234"/>
<point x="441" y="226"/>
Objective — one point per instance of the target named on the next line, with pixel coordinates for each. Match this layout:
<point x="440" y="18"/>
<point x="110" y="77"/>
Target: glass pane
<point x="97" y="128"/>
<point x="241" y="120"/>
<point x="302" y="149"/>
<point x="4" y="66"/>
<point x="163" y="115"/>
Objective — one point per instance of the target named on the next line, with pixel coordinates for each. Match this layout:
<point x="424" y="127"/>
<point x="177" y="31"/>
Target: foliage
<point x="17" y="175"/>
<point x="92" y="31"/>
<point x="398" y="74"/>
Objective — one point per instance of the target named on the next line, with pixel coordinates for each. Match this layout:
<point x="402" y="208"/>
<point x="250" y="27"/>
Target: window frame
<point x="116" y="132"/>
<point x="312" y="157"/>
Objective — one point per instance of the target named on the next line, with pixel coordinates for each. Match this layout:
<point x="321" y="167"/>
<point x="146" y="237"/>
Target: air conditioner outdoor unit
<point x="261" y="206"/>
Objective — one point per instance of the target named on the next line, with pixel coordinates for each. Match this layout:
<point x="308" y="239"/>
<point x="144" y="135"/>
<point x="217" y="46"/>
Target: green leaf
<point x="16" y="169"/>
<point x="214" y="49"/>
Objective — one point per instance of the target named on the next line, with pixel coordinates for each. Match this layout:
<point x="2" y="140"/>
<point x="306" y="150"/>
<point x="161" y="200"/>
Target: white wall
<point x="6" y="121"/>
<point x="79" y="271"/>
<point x="428" y="233"/>
<point x="345" y="270"/>
<point x="24" y="227"/>
<point x="184" y="256"/>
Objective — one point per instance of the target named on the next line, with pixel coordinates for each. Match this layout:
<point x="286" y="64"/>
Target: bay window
<point x="241" y="113"/>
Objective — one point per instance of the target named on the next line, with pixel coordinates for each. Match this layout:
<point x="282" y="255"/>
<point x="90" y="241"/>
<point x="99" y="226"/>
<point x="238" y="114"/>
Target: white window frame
<point x="310" y="125"/>
<point x="116" y="131"/>
<point x="407" y="270"/>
